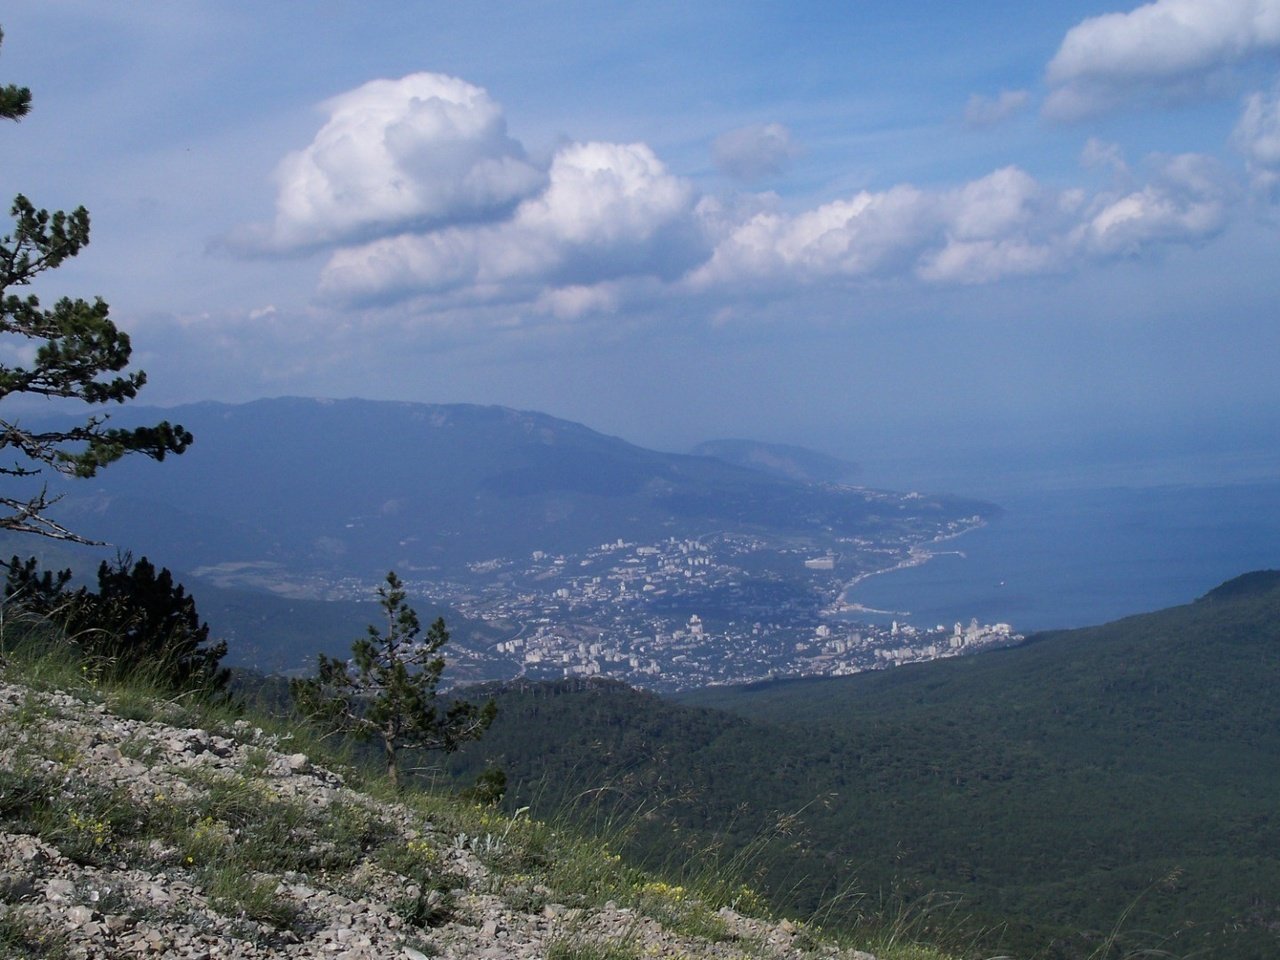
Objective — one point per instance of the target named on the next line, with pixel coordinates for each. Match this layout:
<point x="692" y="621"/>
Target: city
<point x="686" y="613"/>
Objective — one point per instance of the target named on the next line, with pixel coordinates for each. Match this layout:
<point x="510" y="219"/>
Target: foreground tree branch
<point x="76" y="353"/>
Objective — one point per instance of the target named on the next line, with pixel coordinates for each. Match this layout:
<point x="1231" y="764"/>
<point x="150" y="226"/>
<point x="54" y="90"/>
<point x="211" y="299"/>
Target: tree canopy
<point x="76" y="354"/>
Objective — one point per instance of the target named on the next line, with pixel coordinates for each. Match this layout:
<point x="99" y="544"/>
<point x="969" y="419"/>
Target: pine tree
<point x="138" y="623"/>
<point x="387" y="691"/>
<point x="78" y="354"/>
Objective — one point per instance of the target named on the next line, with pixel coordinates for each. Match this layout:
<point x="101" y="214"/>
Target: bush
<point x="138" y="622"/>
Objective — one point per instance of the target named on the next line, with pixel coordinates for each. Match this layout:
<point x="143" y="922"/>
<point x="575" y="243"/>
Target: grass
<point x="22" y="940"/>
<point x="251" y="896"/>
<point x="236" y="837"/>
<point x="592" y="950"/>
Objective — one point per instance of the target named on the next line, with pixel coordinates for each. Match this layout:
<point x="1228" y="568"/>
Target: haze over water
<point x="1084" y="546"/>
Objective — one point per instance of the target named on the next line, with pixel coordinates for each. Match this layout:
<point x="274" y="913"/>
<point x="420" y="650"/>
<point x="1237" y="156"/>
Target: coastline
<point x="916" y="556"/>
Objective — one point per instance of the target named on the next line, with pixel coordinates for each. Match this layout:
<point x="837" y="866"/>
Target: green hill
<point x="1128" y="770"/>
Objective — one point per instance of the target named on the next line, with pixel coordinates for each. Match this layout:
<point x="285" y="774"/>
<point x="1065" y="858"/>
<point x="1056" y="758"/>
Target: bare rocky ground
<point x="123" y="835"/>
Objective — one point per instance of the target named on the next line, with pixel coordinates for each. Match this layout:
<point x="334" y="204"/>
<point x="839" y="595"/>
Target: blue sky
<point x="898" y="232"/>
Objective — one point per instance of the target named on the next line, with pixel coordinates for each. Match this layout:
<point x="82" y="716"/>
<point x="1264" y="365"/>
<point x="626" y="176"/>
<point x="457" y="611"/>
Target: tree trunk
<point x="393" y="767"/>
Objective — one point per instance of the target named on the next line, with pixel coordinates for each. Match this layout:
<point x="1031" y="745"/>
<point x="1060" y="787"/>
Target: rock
<point x="155" y="905"/>
<point x="295" y="763"/>
<point x="59" y="890"/>
<point x="16" y="886"/>
<point x="78" y="916"/>
<point x="118" y="924"/>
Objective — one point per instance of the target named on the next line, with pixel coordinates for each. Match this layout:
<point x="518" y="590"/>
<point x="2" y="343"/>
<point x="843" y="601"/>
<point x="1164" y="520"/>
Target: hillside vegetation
<point x="137" y="823"/>
<point x="1122" y="775"/>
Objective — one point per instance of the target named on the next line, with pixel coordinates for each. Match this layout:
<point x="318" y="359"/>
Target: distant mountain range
<point x="780" y="460"/>
<point x="354" y="487"/>
<point x="1116" y="778"/>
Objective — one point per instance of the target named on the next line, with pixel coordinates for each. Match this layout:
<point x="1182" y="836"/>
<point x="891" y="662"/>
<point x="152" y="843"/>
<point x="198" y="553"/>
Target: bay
<point x="1081" y="556"/>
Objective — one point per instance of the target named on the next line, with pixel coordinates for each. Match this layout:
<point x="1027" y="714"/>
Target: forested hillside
<point x="1122" y="772"/>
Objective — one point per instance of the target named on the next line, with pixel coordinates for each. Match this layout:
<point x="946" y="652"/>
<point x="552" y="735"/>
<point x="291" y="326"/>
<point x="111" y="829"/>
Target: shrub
<point x="138" y="622"/>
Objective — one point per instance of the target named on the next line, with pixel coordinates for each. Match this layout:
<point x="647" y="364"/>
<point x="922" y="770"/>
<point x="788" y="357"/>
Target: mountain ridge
<point x="780" y="460"/>
<point x="363" y="485"/>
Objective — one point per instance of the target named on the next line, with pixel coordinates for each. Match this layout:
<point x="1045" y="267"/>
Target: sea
<point x="1086" y="554"/>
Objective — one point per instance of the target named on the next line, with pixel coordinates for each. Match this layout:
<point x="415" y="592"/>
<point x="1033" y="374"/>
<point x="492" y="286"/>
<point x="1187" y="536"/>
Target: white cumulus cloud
<point x="426" y="149"/>
<point x="1107" y="60"/>
<point x="416" y="192"/>
<point x="866" y="233"/>
<point x="1186" y="202"/>
<point x="608" y="211"/>
<point x="1001" y="225"/>
<point x="754" y="152"/>
<point x="902" y="230"/>
<point x="604" y="195"/>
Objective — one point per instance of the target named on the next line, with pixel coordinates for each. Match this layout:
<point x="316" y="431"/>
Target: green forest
<point x="1107" y="787"/>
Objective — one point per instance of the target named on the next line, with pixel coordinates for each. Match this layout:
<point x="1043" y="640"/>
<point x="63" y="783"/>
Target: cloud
<point x="424" y="150"/>
<point x="983" y="111"/>
<point x="754" y="152"/>
<point x="854" y="237"/>
<point x="1161" y="47"/>
<point x="999" y="225"/>
<point x="1099" y="153"/>
<point x="418" y="194"/>
<point x="1002" y="225"/>
<point x="569" y="303"/>
<point x="1186" y="202"/>
<point x="1257" y="136"/>
<point x="901" y="230"/>
<point x="608" y="211"/>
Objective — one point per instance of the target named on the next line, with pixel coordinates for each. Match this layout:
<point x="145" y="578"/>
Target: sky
<point x="923" y="236"/>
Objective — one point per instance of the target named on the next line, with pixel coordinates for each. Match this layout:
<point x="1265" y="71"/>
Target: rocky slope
<point x="124" y="833"/>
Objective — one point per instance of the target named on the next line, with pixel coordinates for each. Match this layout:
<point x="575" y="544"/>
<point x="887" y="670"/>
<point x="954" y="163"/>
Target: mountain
<point x="780" y="460"/>
<point x="354" y="487"/>
<point x="1121" y="775"/>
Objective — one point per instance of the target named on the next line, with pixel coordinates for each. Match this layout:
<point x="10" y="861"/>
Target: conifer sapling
<point x="387" y="691"/>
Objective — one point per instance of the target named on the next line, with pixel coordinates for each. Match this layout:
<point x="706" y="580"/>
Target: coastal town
<point x="693" y="612"/>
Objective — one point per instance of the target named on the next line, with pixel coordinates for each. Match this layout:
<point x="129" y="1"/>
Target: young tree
<point x="387" y="691"/>
<point x="78" y="352"/>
